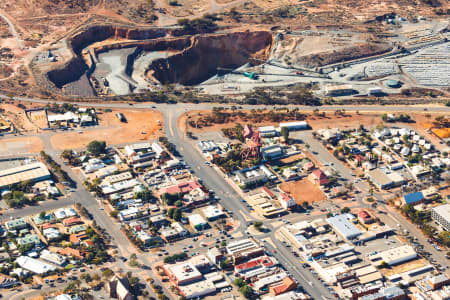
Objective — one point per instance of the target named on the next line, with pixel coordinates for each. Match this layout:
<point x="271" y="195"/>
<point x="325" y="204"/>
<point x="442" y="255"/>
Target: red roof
<point x="359" y="157"/>
<point x="285" y="197"/>
<point x="72" y="252"/>
<point x="287" y="285"/>
<point x="45" y="226"/>
<point x="75" y="238"/>
<point x="184" y="187"/>
<point x="263" y="261"/>
<point x="72" y="221"/>
<point x="321" y="177"/>
<point x="268" y="192"/>
<point x="364" y="215"/>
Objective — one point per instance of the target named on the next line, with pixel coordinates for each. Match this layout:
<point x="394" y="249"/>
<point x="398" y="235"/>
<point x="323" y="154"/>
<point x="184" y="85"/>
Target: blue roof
<point x="413" y="198"/>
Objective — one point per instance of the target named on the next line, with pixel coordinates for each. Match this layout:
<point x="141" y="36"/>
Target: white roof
<point x="196" y="219"/>
<point x="34" y="265"/>
<point x="266" y="128"/>
<point x="31" y="171"/>
<point x="68" y="116"/>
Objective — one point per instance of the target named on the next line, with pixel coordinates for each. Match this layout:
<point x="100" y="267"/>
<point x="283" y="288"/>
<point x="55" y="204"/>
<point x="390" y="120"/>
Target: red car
<point x="274" y="251"/>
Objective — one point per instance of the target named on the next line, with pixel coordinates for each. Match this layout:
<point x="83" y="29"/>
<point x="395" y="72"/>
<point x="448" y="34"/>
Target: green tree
<point x="246" y="291"/>
<point x="345" y="210"/>
<point x="42" y="215"/>
<point x="97" y="147"/>
<point x="285" y="133"/>
<point x="258" y="225"/>
<point x="239" y="282"/>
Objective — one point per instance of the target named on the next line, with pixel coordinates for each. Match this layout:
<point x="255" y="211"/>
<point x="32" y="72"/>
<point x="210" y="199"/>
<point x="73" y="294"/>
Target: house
<point x="72" y="221"/>
<point x="52" y="257"/>
<point x="271" y="152"/>
<point x="286" y="201"/>
<point x="413" y="198"/>
<point x="16" y="224"/>
<point x="318" y="177"/>
<point x="71" y="252"/>
<point x="364" y="217"/>
<point x="77" y="238"/>
<point x="118" y="288"/>
<point x="29" y="239"/>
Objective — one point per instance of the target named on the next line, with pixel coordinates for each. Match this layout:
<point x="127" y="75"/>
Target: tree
<point x="246" y="291"/>
<point x="107" y="273"/>
<point x="97" y="147"/>
<point x="42" y="215"/>
<point x="444" y="236"/>
<point x="258" y="225"/>
<point x="177" y="214"/>
<point x="114" y="213"/>
<point x="239" y="282"/>
<point x="345" y="210"/>
<point x="285" y="133"/>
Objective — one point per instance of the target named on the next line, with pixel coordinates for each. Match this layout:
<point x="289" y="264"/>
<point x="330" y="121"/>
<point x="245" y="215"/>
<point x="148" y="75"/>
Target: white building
<point x="286" y="201"/>
<point x="34" y="265"/>
<point x="267" y="131"/>
<point x="53" y="258"/>
<point x="394" y="256"/>
<point x="294" y="125"/>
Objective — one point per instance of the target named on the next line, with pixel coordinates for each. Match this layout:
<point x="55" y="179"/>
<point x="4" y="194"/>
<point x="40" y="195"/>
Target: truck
<point x="250" y="75"/>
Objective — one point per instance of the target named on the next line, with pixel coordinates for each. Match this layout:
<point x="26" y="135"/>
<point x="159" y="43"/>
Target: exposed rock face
<point x="196" y="58"/>
<point x="201" y="59"/>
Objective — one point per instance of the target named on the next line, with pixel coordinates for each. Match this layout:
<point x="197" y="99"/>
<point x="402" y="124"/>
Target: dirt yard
<point x="303" y="190"/>
<point x="18" y="118"/>
<point x="141" y="125"/>
<point x="21" y="145"/>
<point x="411" y="265"/>
<point x="39" y="118"/>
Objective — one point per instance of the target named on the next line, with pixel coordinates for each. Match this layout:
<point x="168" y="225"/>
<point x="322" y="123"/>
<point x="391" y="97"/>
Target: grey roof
<point x="341" y="224"/>
<point x="443" y="211"/>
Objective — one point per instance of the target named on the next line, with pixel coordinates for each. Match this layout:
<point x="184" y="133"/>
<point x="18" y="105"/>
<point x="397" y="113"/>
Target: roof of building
<point x="184" y="271"/>
<point x="196" y="220"/>
<point x="413" y="197"/>
<point x="342" y="224"/>
<point x="443" y="211"/>
<point x="184" y="187"/>
<point x="31" y="171"/>
<point x="34" y="265"/>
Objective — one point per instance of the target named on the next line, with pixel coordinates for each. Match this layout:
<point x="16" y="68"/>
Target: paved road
<point x="231" y="200"/>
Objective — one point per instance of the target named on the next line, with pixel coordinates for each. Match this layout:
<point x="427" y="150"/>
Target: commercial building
<point x="244" y="249"/>
<point x="413" y="198"/>
<point x="338" y="90"/>
<point x="262" y="262"/>
<point x="286" y="201"/>
<point x="391" y="293"/>
<point x="32" y="172"/>
<point x="344" y="227"/>
<point x="267" y="131"/>
<point x="251" y="177"/>
<point x="34" y="265"/>
<point x="294" y="125"/>
<point x="441" y="215"/>
<point x="318" y="177"/>
<point x="183" y="273"/>
<point x="394" y="256"/>
<point x="213" y="213"/>
<point x="380" y="179"/>
<point x="197" y="222"/>
<point x="271" y="152"/>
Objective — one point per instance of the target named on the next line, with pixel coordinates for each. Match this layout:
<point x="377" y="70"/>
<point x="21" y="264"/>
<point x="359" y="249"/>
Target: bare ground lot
<point x="21" y="145"/>
<point x="141" y="125"/>
<point x="303" y="190"/>
<point x="18" y="118"/>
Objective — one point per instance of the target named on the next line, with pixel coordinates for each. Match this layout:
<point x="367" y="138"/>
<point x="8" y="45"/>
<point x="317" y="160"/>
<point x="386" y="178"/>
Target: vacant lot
<point x="303" y="190"/>
<point x="140" y="125"/>
<point x="21" y="145"/>
<point x="411" y="265"/>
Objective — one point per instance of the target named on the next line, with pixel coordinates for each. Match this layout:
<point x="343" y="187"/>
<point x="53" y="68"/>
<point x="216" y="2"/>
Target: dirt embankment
<point x="206" y="53"/>
<point x="344" y="54"/>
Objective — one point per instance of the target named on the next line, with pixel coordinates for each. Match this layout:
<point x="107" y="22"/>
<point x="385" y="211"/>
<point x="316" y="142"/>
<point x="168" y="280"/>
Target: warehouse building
<point x="294" y="125"/>
<point x="394" y="256"/>
<point x="34" y="172"/>
<point x="338" y="90"/>
<point x="344" y="227"/>
<point x="441" y="215"/>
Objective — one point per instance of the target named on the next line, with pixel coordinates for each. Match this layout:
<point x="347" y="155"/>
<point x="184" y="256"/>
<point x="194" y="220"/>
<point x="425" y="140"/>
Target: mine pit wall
<point x="197" y="60"/>
<point x="201" y="59"/>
